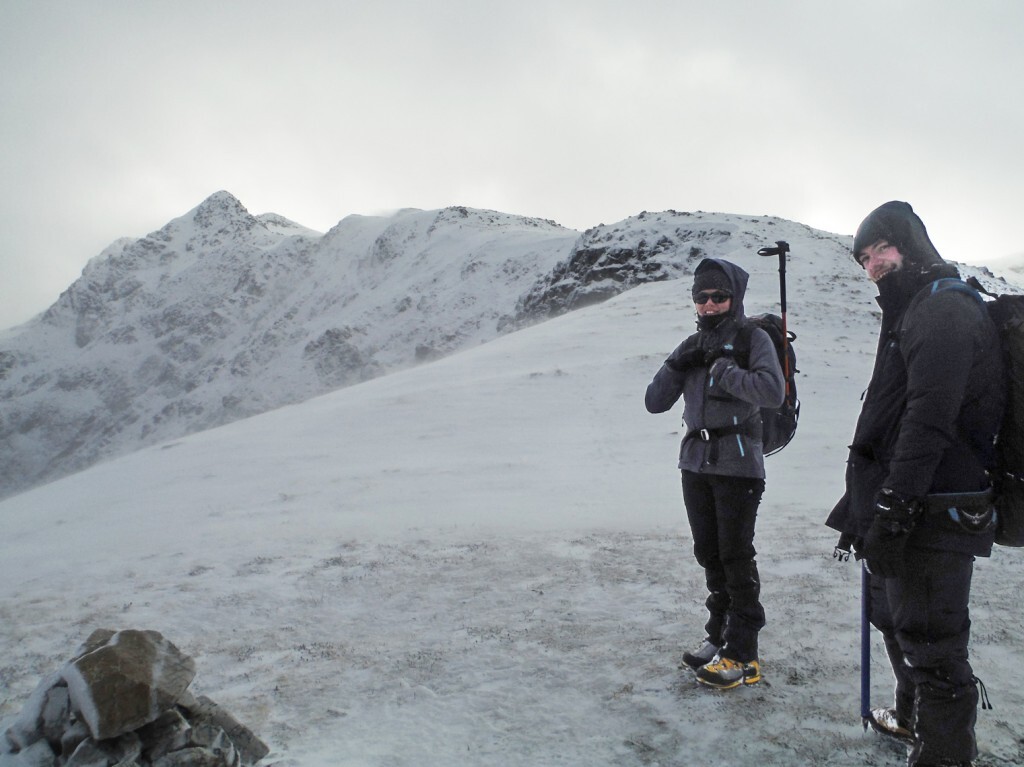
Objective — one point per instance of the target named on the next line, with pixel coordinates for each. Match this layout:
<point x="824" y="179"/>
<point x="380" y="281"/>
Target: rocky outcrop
<point x="337" y="359"/>
<point x="123" y="701"/>
<point x="608" y="260"/>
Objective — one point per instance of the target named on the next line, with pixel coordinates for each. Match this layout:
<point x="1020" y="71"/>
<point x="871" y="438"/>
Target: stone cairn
<point x="123" y="701"/>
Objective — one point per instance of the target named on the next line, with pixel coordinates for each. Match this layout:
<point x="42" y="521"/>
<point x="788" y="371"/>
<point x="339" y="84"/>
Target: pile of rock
<point x="123" y="700"/>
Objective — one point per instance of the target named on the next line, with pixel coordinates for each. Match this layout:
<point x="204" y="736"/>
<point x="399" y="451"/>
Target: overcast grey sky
<point x="119" y="115"/>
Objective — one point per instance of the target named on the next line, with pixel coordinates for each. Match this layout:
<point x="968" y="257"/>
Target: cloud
<point x="122" y="116"/>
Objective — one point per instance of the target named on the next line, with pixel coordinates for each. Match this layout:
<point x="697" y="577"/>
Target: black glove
<point x="719" y="366"/>
<point x="714" y="354"/>
<point x="886" y="539"/>
<point x="682" y="361"/>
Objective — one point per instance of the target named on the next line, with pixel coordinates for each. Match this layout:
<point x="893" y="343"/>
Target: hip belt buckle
<point x="979" y="521"/>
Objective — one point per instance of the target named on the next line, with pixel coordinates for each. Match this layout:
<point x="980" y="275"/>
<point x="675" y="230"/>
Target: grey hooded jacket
<point x="723" y="394"/>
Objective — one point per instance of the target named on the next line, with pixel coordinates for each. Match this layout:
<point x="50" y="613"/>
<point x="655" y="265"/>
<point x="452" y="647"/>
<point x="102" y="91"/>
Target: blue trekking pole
<point x="865" y="644"/>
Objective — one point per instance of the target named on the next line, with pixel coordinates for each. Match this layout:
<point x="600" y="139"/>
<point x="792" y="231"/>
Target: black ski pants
<point x="722" y="511"/>
<point x="924" y="619"/>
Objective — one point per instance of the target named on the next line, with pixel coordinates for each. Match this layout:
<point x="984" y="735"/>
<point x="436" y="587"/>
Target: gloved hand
<point x="719" y="366"/>
<point x="682" y="360"/>
<point x="886" y="539"/>
<point x="713" y="354"/>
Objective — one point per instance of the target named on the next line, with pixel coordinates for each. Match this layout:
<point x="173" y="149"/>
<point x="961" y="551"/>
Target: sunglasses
<point x="717" y="298"/>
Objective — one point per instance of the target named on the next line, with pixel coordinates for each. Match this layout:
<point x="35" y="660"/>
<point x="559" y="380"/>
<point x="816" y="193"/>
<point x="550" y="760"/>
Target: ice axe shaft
<point x="865" y="644"/>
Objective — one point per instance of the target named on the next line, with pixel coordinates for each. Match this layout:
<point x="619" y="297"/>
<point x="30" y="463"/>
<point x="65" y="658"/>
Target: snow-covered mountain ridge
<point x="221" y="314"/>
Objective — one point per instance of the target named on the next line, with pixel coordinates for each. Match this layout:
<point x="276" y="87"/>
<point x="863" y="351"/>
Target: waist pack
<point x="971" y="512"/>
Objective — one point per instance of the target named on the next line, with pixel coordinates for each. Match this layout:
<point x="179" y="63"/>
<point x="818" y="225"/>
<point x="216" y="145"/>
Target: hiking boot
<point x="884" y="722"/>
<point x="702" y="655"/>
<point x="725" y="673"/>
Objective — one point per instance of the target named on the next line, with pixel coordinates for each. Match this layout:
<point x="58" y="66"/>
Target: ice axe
<point x="865" y="644"/>
<point x="842" y="554"/>
<point x="781" y="249"/>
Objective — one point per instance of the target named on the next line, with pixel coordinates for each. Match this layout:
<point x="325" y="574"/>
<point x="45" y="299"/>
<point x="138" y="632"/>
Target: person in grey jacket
<point x="725" y="373"/>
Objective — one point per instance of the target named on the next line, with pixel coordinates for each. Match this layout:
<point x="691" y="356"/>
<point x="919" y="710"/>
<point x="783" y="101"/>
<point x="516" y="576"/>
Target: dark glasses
<point x="717" y="298"/>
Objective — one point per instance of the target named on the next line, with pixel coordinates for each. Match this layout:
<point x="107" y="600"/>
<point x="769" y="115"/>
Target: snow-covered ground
<point x="485" y="561"/>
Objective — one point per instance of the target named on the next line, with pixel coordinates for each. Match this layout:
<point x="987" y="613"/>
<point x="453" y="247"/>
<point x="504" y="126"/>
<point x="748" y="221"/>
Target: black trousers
<point x="924" y="619"/>
<point x="722" y="511"/>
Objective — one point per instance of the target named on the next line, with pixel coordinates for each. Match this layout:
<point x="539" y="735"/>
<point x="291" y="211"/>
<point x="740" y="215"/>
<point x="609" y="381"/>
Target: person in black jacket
<point x="918" y="505"/>
<point x="723" y="382"/>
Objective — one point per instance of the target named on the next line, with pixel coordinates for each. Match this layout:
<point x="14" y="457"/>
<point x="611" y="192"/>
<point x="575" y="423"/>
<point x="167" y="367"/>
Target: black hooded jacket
<point x="935" y="399"/>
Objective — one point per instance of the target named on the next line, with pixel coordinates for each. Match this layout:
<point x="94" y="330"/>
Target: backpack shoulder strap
<point x="943" y="285"/>
<point x="741" y="343"/>
<point x="955" y="283"/>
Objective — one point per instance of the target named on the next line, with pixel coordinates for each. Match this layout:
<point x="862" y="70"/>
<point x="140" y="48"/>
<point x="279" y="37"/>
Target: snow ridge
<point x="221" y="315"/>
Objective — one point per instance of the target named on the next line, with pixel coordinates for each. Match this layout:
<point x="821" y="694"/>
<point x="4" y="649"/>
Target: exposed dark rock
<point x="337" y="359"/>
<point x="127" y="682"/>
<point x="607" y="261"/>
<point x="122" y="701"/>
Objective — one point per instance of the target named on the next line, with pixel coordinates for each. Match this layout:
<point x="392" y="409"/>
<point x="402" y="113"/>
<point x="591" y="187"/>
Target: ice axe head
<point x="781" y="248"/>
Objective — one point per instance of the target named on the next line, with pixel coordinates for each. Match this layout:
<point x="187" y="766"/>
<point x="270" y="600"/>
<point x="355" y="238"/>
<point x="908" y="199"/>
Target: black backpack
<point x="1007" y="312"/>
<point x="778" y="423"/>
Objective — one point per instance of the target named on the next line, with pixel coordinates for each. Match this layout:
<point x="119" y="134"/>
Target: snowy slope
<point x="221" y="314"/>
<point x="484" y="560"/>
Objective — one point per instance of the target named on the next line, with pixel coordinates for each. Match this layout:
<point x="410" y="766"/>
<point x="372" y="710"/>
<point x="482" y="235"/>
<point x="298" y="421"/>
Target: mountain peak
<point x="220" y="207"/>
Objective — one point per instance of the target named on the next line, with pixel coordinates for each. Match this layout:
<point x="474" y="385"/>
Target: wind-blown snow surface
<point x="485" y="561"/>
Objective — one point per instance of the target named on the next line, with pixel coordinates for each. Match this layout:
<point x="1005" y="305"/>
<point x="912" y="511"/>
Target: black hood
<point x="737" y="278"/>
<point x="896" y="223"/>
